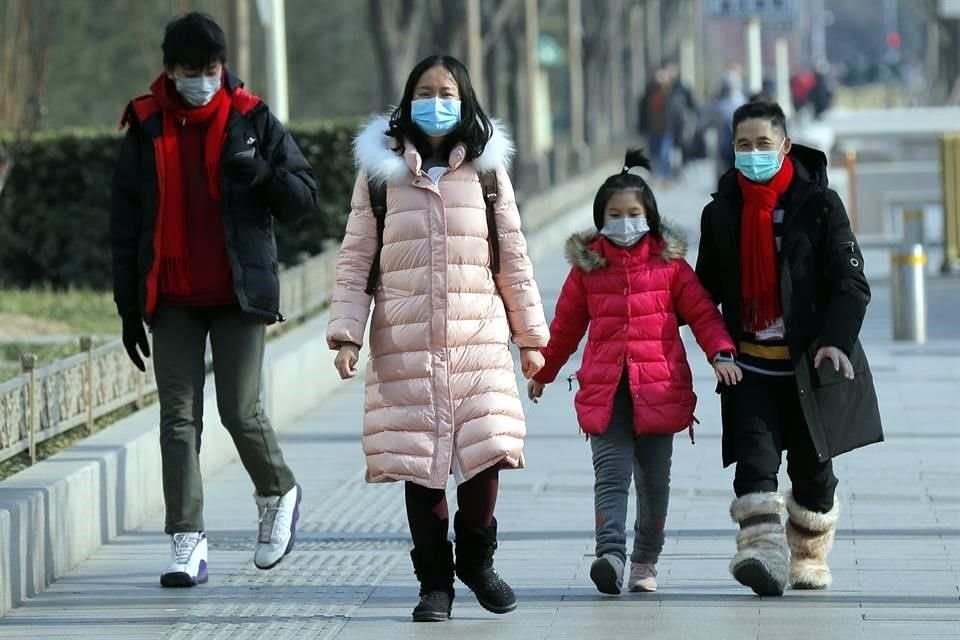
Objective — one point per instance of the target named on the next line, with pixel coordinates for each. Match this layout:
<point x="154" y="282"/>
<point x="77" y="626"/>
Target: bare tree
<point x="943" y="55"/>
<point x="448" y="19"/>
<point x="396" y="27"/>
<point x="596" y="52"/>
<point x="26" y="29"/>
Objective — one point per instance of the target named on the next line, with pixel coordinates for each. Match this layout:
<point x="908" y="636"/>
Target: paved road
<point x="896" y="562"/>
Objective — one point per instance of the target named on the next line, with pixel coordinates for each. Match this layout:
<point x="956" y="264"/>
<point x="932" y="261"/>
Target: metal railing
<point x="44" y="402"/>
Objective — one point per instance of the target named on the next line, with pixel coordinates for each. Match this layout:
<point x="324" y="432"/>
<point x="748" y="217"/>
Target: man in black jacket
<point x="203" y="170"/>
<point x="777" y="252"/>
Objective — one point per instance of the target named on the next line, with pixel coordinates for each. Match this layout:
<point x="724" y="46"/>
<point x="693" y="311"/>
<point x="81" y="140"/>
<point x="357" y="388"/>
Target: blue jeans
<point x="618" y="454"/>
<point x="661" y="152"/>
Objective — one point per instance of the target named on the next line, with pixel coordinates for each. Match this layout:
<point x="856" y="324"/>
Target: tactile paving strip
<point x="346" y="545"/>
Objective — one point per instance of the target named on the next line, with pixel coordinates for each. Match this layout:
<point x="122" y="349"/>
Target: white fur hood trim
<point x="373" y="151"/>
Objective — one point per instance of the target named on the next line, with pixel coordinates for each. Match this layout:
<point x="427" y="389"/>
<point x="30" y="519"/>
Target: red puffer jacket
<point x="631" y="300"/>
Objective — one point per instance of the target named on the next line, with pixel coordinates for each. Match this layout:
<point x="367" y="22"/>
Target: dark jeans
<point x="661" y="155"/>
<point x="179" y="346"/>
<point x="427" y="512"/>
<point x="618" y="454"/>
<point x="768" y="420"/>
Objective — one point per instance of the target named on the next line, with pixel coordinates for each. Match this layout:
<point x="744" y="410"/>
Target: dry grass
<point x="47" y="323"/>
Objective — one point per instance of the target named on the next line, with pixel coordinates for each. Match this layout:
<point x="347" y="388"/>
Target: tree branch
<point x="507" y="10"/>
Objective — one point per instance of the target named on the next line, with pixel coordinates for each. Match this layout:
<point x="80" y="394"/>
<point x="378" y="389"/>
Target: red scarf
<point x="759" y="281"/>
<point x="170" y="239"/>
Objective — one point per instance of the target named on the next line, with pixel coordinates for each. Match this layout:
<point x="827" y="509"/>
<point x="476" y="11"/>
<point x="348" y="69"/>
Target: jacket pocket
<point x="826" y="375"/>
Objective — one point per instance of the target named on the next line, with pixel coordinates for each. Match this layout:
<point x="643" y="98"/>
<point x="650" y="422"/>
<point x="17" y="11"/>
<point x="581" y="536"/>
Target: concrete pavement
<point x="896" y="562"/>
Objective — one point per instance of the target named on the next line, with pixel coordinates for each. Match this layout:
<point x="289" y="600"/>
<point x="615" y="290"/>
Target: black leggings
<point x="427" y="512"/>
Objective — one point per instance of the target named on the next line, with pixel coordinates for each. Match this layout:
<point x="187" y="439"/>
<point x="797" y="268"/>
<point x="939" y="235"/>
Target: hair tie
<point x="636" y="171"/>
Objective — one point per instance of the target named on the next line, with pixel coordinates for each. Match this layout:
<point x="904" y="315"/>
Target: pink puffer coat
<point x="631" y="300"/>
<point x="441" y="391"/>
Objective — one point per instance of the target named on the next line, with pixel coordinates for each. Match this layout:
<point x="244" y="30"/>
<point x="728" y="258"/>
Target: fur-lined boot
<point x="810" y="535"/>
<point x="761" y="562"/>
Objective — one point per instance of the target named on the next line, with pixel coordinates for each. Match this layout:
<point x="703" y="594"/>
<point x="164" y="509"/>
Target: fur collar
<point x="581" y="252"/>
<point x="373" y="152"/>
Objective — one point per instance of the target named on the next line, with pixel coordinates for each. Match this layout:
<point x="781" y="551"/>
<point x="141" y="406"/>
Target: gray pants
<point x="179" y="346"/>
<point x="616" y="454"/>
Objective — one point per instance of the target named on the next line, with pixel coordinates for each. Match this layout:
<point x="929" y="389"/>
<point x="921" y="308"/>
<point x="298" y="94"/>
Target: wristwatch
<point x="724" y="356"/>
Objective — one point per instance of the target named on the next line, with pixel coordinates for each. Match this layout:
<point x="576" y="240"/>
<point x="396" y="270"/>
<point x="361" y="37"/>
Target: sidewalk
<point x="896" y="562"/>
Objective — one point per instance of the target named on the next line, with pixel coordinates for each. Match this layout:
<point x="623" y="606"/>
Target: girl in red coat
<point x="630" y="285"/>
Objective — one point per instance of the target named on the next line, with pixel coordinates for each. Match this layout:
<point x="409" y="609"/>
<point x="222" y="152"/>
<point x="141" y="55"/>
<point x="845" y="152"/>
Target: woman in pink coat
<point x="630" y="284"/>
<point x="441" y="391"/>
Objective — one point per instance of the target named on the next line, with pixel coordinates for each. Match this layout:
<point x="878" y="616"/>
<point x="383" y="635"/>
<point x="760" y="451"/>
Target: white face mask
<point x="625" y="232"/>
<point x="199" y="91"/>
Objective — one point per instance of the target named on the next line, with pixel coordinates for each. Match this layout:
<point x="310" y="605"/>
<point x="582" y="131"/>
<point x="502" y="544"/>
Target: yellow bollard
<point x="950" y="174"/>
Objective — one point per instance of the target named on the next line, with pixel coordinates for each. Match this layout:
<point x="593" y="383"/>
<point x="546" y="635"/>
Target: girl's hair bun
<point x="636" y="159"/>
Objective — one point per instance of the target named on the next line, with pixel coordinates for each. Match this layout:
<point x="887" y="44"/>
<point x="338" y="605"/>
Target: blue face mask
<point x="436" y="117"/>
<point x="758" y="166"/>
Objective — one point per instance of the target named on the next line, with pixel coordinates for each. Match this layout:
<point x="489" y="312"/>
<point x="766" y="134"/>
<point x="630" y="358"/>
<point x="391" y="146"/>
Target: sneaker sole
<point x="638" y="589"/>
<point x="293" y="534"/>
<point x="181" y="580"/>
<point x="752" y="573"/>
<point x="604" y="576"/>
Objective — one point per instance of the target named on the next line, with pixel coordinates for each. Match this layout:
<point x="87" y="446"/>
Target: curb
<point x="57" y="513"/>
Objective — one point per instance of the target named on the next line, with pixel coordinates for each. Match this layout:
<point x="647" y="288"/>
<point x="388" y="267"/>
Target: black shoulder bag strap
<point x="378" y="202"/>
<point x="488" y="183"/>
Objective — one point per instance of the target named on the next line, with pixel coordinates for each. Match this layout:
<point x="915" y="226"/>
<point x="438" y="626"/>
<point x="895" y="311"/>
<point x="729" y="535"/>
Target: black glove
<point x="251" y="171"/>
<point x="134" y="335"/>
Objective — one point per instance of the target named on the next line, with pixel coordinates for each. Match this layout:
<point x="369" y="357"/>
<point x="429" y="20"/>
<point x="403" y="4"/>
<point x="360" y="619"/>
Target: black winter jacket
<point x="247" y="212"/>
<point x="824" y="293"/>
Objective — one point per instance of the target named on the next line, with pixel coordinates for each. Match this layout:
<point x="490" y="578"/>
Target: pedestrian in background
<point x="661" y="117"/>
<point x="719" y="114"/>
<point x="629" y="285"/>
<point x="777" y="253"/>
<point x="685" y="120"/>
<point x="204" y="169"/>
<point x="433" y="240"/>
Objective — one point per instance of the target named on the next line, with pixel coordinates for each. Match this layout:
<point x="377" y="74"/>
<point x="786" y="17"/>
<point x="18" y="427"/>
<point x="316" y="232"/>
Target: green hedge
<point x="54" y="210"/>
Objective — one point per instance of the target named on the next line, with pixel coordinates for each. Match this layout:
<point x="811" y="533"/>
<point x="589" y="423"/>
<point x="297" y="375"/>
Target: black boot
<point x="475" y="547"/>
<point x="434" y="570"/>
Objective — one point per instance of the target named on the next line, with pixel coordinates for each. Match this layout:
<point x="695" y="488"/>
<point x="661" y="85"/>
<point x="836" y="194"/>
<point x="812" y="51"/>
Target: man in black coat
<point x="777" y="253"/>
<point x="204" y="169"/>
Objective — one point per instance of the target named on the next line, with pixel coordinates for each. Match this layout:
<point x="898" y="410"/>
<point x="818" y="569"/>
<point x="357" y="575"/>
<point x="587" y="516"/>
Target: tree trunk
<point x="24" y="65"/>
<point x="396" y="29"/>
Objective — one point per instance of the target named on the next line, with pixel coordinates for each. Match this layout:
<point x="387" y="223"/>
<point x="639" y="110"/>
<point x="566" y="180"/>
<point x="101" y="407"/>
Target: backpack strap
<point x="378" y="202"/>
<point x="491" y="191"/>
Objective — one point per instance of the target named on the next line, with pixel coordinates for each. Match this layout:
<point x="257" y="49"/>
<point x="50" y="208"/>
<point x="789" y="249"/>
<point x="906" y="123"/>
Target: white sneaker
<point x="188" y="562"/>
<point x="278" y="527"/>
<point x="643" y="577"/>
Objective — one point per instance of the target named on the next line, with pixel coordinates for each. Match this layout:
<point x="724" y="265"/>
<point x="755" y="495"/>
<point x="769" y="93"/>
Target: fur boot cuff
<point x="756" y="504"/>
